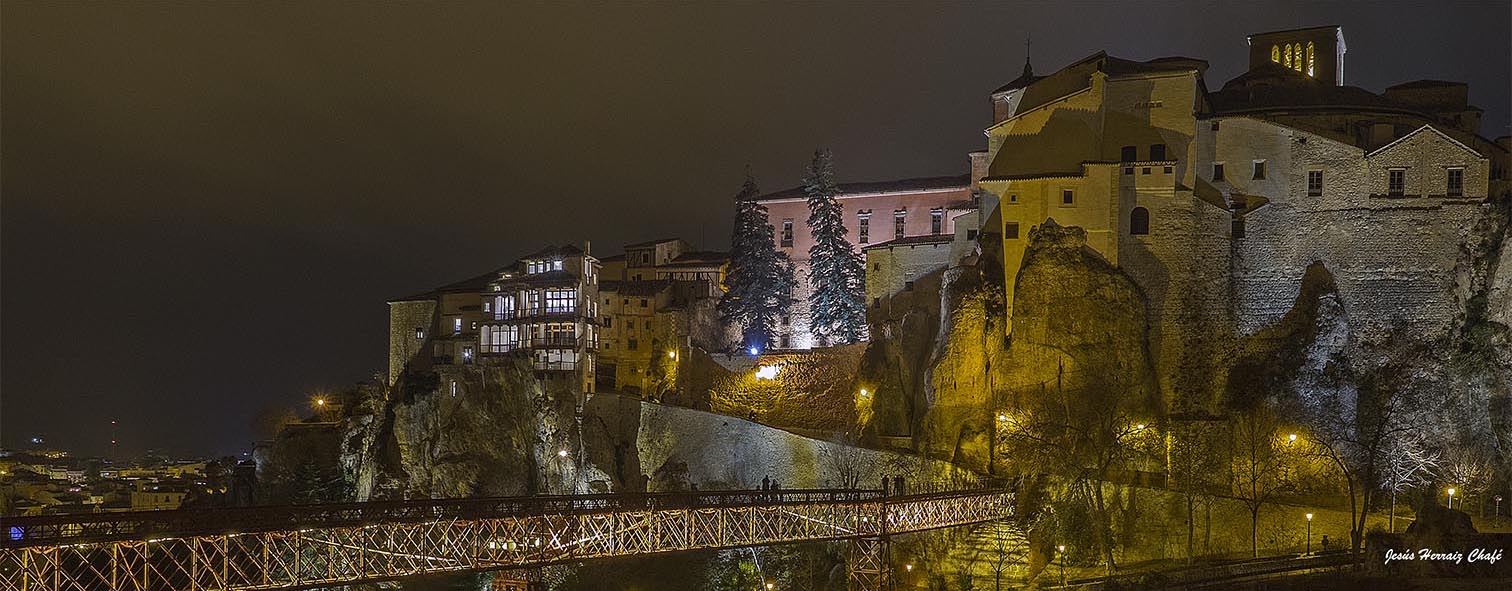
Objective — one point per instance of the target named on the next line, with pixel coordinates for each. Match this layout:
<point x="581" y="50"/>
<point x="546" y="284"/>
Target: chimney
<point x="588" y="247"/>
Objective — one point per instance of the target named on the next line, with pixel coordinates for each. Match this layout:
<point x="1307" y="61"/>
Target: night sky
<point x="206" y="207"/>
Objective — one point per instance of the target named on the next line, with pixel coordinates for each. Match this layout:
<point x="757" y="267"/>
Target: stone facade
<point x="1215" y="204"/>
<point x="892" y="267"/>
<point x="543" y="306"/>
<point x="657" y="301"/>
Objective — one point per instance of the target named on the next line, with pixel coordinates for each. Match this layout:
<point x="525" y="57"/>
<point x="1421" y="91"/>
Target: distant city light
<point x="767" y="372"/>
<point x="36" y="441"/>
<point x="319" y="402"/>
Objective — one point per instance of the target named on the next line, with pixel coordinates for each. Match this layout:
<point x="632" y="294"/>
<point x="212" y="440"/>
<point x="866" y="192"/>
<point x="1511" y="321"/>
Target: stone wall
<point x="664" y="448"/>
<point x="404" y="318"/>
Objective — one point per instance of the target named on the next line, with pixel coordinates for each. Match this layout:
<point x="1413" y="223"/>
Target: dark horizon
<point x="205" y="208"/>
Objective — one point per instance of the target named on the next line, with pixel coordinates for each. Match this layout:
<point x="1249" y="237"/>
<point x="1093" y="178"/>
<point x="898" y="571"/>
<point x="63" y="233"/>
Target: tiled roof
<point x="1425" y="84"/>
<point x="635" y="288"/>
<point x="1273" y="87"/>
<point x="913" y="240"/>
<point x="651" y="242"/>
<point x="894" y="186"/>
<point x="476" y="283"/>
<point x="565" y="250"/>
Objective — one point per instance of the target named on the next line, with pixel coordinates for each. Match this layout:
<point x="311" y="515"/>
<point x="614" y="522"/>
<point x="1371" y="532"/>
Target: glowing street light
<point x="1292" y="437"/>
<point x="1139" y="427"/>
<point x="864" y="393"/>
<point x="1061" y="554"/>
<point x="319" y="402"/>
<point x="755" y="351"/>
<point x="561" y="453"/>
<point x="908" y="567"/>
<point x="1451" y="498"/>
<point x="769" y="585"/>
<point x="1309" y="533"/>
<point x="672" y="354"/>
<point x="767" y="372"/>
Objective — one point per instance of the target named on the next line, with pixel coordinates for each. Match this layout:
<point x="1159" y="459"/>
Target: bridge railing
<point x="101" y="527"/>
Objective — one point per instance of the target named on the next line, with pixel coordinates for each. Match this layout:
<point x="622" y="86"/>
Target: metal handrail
<point x="96" y="527"/>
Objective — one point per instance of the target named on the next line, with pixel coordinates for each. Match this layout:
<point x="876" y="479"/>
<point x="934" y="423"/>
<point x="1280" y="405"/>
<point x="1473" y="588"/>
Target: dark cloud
<point x="205" y="206"/>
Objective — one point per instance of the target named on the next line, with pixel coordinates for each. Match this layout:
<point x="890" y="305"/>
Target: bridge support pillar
<point x="867" y="561"/>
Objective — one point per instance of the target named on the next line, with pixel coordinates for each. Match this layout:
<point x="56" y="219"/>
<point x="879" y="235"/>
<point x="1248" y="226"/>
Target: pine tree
<point x="837" y="303"/>
<point x="759" y="284"/>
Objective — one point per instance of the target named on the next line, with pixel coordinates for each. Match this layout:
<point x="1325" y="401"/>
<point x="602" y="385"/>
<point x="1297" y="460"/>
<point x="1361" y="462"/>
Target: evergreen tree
<point x="759" y="284"/>
<point x="837" y="303"/>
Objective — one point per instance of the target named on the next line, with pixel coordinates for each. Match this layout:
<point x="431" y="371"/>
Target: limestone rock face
<point x="497" y="434"/>
<point x="1076" y="320"/>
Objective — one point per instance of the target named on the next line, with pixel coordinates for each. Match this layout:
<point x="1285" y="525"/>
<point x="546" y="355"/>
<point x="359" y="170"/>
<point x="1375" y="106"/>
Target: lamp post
<point x="1060" y="552"/>
<point x="1309" y="533"/>
<point x="1451" y="498"/>
<point x="1497" y="511"/>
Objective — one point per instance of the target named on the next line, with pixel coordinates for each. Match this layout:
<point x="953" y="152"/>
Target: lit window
<point x="1396" y="182"/>
<point x="561" y="301"/>
<point x="863" y="228"/>
<point x="556" y="265"/>
<point x="456" y="326"/>
<point x="1309" y="58"/>
<point x="1275" y="54"/>
<point x="936" y="220"/>
<point x="1456" y="187"/>
<point x="467" y="354"/>
<point x="787" y="232"/>
<point x="1139" y="221"/>
<point x="899" y="217"/>
<point x="419" y="333"/>
<point x="1068" y="196"/>
<point x="1286" y="56"/>
<point x="1314" y="183"/>
<point x="1297" y="62"/>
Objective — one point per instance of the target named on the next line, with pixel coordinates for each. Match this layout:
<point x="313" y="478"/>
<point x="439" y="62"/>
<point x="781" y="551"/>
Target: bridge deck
<point x="321" y="545"/>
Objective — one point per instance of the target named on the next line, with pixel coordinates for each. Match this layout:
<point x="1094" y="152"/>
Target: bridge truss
<point x="302" y="547"/>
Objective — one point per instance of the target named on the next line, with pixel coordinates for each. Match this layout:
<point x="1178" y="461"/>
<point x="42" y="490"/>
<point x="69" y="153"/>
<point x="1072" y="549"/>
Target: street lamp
<point x="1497" y="512"/>
<point x="863" y="392"/>
<point x="769" y="585"/>
<point x="672" y="354"/>
<point x="1061" y="554"/>
<point x="1291" y="438"/>
<point x="1309" y="533"/>
<point x="1451" y="498"/>
<point x="561" y="453"/>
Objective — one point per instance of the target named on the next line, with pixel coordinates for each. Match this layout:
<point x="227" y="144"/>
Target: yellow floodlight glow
<point x="767" y="372"/>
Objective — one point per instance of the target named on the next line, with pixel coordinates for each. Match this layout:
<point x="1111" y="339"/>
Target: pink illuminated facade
<point x="875" y="213"/>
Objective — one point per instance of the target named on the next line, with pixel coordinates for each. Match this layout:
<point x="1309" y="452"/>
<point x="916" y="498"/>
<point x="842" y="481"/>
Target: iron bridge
<point x="312" y="546"/>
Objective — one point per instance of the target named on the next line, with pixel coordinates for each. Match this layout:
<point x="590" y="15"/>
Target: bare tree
<point x="1084" y="436"/>
<point x="1468" y="470"/>
<point x="1355" y="434"/>
<point x="1197" y="465"/>
<point x="847" y="464"/>
<point x="1407" y="463"/>
<point x="1263" y="458"/>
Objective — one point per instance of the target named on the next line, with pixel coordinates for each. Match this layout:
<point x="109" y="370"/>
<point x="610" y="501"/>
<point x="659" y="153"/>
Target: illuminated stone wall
<point x="404" y="318"/>
<point x="810" y="390"/>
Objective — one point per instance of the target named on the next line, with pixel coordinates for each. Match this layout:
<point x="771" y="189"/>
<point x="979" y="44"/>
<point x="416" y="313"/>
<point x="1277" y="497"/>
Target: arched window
<point x="1309" y="58"/>
<point x="1139" y="221"/>
<point x="1286" y="58"/>
<point x="1276" y="54"/>
<point x="483" y="338"/>
<point x="1297" y="64"/>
